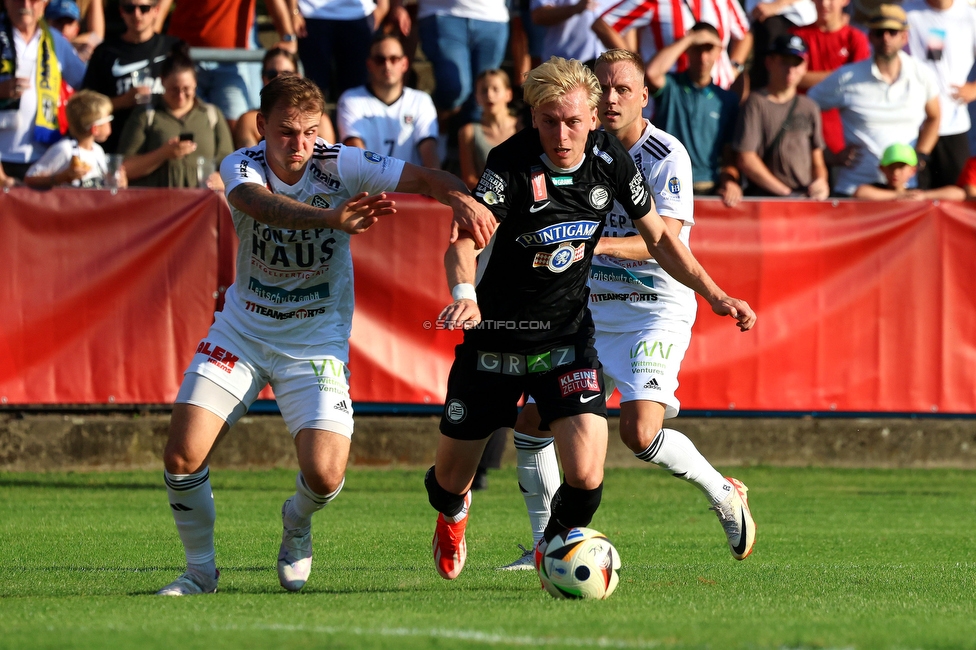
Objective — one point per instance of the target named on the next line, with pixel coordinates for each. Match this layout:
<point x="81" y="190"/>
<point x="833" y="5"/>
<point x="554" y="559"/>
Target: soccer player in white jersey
<point x="385" y="116"/>
<point x="643" y="321"/>
<point x="295" y="201"/>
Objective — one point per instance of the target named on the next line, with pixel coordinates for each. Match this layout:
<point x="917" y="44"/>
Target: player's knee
<point x="585" y="479"/>
<point x="528" y="422"/>
<point x="440" y="499"/>
<point x="639" y="428"/>
<point x="176" y="460"/>
<point x="323" y="481"/>
<point x="638" y="434"/>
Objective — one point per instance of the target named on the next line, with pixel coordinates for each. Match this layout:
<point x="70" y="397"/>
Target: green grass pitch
<point x="844" y="558"/>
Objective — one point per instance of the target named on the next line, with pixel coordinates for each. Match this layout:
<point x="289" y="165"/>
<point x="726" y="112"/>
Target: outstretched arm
<point x="450" y="190"/>
<point x="354" y="215"/>
<point x="632" y="247"/>
<point x="680" y="264"/>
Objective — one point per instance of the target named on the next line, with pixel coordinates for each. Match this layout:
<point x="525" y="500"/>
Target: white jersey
<point x="945" y="42"/>
<point x="393" y="130"/>
<point x="58" y="157"/>
<point x="295" y="287"/>
<point x="628" y="295"/>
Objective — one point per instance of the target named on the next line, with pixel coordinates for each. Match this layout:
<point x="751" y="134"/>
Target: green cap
<point x="899" y="153"/>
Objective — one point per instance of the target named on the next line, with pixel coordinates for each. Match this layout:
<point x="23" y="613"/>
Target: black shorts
<point x="564" y="376"/>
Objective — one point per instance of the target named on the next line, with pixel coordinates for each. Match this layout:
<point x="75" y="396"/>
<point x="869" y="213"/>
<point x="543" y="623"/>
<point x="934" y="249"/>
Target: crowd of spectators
<point x="771" y="98"/>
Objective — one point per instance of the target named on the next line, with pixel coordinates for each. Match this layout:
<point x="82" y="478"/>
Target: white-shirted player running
<point x="295" y="200"/>
<point x="643" y="321"/>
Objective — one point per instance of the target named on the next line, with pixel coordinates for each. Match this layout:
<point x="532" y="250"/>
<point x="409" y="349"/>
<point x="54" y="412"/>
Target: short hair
<point x="275" y="52"/>
<point x="618" y="55"/>
<point x="381" y="36"/>
<point x="84" y="109"/>
<point x="494" y="72"/>
<point x="292" y="91"/>
<point x="178" y="61"/>
<point x="705" y="27"/>
<point x="558" y="77"/>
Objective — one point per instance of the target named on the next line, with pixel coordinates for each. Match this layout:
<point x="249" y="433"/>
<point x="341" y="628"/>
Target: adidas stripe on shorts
<point x="312" y="390"/>
<point x="644" y="365"/>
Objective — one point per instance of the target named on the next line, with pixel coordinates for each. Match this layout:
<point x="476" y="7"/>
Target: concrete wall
<point x="49" y="442"/>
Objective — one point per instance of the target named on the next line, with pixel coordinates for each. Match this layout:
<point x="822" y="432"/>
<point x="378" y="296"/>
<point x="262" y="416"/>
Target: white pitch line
<point x="463" y="635"/>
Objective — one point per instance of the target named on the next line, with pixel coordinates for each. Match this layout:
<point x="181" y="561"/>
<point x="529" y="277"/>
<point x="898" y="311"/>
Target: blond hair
<point x="558" y="77"/>
<point x="618" y="55"/>
<point x="84" y="109"/>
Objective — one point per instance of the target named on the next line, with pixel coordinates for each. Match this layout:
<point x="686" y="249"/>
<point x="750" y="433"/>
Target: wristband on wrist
<point x="288" y="38"/>
<point x="464" y="291"/>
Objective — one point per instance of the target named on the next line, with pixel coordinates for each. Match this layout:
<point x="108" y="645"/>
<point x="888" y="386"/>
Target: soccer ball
<point x="580" y="563"/>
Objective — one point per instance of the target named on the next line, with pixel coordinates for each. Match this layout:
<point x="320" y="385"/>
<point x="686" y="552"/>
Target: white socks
<point x="538" y="475"/>
<point x="191" y="501"/>
<point x="306" y="503"/>
<point x="673" y="451"/>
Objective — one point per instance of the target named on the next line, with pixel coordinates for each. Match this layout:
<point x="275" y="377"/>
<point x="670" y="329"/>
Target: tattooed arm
<point x="353" y="215"/>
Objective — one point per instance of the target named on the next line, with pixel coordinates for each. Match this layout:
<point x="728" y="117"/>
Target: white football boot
<point x="523" y="563"/>
<point x="190" y="584"/>
<point x="736" y="519"/>
<point x="294" y="554"/>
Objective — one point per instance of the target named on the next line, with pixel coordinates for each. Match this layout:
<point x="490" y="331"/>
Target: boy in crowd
<point x="899" y="164"/>
<point x="78" y="161"/>
<point x="778" y="140"/>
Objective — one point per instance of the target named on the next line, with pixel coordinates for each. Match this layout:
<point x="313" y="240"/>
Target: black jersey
<point x="532" y="276"/>
<point x="112" y="66"/>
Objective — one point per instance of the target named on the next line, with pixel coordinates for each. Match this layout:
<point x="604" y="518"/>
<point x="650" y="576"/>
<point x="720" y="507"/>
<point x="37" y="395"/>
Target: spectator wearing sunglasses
<point x="385" y="116"/>
<point x="277" y="62"/>
<point x="888" y="98"/>
<point x="128" y="68"/>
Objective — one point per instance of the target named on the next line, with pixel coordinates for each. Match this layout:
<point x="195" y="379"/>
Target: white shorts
<point x="229" y="370"/>
<point x="644" y="365"/>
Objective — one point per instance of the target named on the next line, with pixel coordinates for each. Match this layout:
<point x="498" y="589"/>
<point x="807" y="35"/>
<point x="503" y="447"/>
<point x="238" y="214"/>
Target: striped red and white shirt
<point x="666" y="21"/>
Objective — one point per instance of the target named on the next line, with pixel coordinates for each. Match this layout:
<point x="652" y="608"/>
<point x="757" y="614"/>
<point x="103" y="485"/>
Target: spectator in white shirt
<point x="888" y="98"/>
<point x="942" y="36"/>
<point x="385" y="116"/>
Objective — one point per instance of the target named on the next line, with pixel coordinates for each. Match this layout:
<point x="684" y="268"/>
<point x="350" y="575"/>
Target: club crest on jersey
<point x="599" y="197"/>
<point x="558" y="233"/>
<point x="674" y="185"/>
<point x="372" y="157"/>
<point x="318" y="201"/>
<point x="408" y="119"/>
<point x="560" y="259"/>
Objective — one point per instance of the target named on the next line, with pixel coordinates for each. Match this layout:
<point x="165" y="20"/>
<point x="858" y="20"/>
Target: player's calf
<point x="572" y="508"/>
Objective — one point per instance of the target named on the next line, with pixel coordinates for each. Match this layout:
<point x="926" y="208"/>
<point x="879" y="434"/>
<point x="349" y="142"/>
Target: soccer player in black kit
<point x="527" y="325"/>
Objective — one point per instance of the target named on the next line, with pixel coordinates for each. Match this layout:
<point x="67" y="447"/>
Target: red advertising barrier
<point x="862" y="306"/>
<point x="104" y="296"/>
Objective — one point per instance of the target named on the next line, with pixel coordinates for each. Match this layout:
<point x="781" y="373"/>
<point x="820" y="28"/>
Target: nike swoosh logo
<point x="119" y="70"/>
<point x="536" y="208"/>
<point x="584" y="400"/>
<point x="740" y="548"/>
